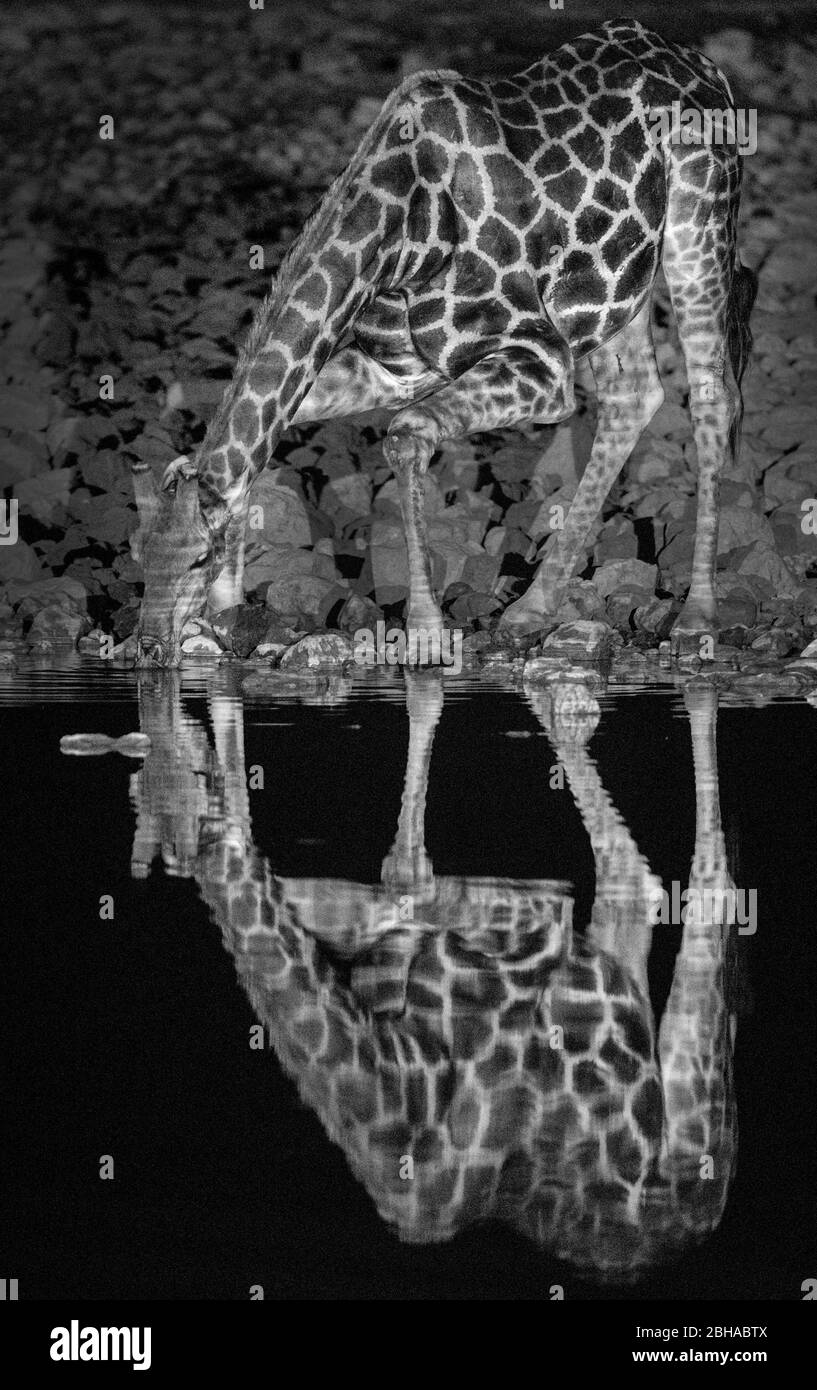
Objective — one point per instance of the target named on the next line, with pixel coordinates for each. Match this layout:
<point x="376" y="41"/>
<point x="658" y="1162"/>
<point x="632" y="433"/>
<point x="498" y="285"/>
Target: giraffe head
<point x="178" y="547"/>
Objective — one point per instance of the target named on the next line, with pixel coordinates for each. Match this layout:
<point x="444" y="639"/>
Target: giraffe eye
<point x="200" y="561"/>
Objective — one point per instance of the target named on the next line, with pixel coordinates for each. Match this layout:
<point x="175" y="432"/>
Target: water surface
<point x="359" y="986"/>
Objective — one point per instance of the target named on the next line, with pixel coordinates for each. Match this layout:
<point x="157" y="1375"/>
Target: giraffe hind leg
<point x="528" y="379"/>
<point x="701" y="269"/>
<point x="629" y="393"/>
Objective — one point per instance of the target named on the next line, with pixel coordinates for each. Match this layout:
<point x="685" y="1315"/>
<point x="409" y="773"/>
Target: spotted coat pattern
<point x="484" y="237"/>
<point x="477" y="1057"/>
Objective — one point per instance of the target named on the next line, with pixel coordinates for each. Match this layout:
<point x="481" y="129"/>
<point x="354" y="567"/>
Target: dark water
<point x="408" y="906"/>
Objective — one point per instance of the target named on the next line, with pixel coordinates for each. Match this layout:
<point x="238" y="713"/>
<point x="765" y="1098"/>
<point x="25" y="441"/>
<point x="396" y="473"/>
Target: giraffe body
<point x="484" y="237"/>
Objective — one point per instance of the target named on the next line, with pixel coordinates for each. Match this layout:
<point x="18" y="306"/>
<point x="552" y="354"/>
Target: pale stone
<point x="583" y="639"/>
<point x="318" y="650"/>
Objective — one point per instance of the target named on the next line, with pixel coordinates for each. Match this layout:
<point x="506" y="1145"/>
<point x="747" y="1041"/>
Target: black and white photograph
<point x="408" y="668"/>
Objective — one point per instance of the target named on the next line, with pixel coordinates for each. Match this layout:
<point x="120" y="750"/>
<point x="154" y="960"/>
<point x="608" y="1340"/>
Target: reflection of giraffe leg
<point x="227" y="718"/>
<point x="621" y="922"/>
<point x="629" y="393"/>
<point x="695" y="1036"/>
<point x="407" y="868"/>
<point x="521" y="382"/>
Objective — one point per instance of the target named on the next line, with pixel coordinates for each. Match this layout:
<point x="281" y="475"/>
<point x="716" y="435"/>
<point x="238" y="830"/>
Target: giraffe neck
<point x="348" y="249"/>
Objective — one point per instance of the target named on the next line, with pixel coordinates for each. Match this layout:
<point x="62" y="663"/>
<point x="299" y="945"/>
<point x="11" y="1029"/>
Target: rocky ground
<point x="126" y="285"/>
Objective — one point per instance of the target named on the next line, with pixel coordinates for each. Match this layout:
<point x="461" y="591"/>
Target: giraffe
<point x="477" y="1056"/>
<point x="485" y="237"/>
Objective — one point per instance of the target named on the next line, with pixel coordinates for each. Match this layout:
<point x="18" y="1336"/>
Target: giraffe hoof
<point x="693" y="634"/>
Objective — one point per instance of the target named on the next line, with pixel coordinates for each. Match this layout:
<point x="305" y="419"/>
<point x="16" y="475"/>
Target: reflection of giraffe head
<point x="474" y="1054"/>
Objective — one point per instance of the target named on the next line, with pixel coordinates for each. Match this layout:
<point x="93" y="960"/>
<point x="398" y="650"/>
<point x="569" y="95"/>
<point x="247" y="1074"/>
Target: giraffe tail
<point x="739" y="337"/>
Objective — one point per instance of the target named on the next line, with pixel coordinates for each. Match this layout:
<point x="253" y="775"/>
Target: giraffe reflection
<point x="473" y="1053"/>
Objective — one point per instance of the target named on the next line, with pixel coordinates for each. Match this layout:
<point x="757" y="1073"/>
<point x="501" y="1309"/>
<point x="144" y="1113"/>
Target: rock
<point x="581" y="600"/>
<point x="303" y="600"/>
<point x="45" y="496"/>
<point x="21" y="409"/>
<point x="387" y="501"/>
<point x="17" y="461"/>
<point x="740" y="526"/>
<point x="653" y="460"/>
<point x="481" y="571"/>
<point x="449" y="558"/>
<point x="389" y="559"/>
<point x="793" y="262"/>
<point x="359" y="612"/>
<point x="467" y="608"/>
<point x="617" y="541"/>
<point x="579" y="640"/>
<point x="32" y="595"/>
<point x="762" y="562"/>
<point x="564" y="457"/>
<point x="54" y="629"/>
<point x="775" y="642"/>
<point x="738" y="610"/>
<point x="779" y="486"/>
<point x="102" y="520"/>
<point x="475" y="643"/>
<point x="671" y="421"/>
<point x="96" y="643"/>
<point x="616" y="574"/>
<point x="347" y="497"/>
<point x="241" y="628"/>
<point x="282" y="518"/>
<point x="656" y="617"/>
<point x="318" y="650"/>
<point x="272" y="563"/>
<point x="200" y="645"/>
<point x="621" y="607"/>
<point x="790" y="424"/>
<point x="19" y="561"/>
<point x="494" y="541"/>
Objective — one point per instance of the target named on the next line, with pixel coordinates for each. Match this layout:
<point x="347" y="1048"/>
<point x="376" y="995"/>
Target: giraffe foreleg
<point x="506" y="388"/>
<point x="629" y="393"/>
